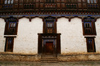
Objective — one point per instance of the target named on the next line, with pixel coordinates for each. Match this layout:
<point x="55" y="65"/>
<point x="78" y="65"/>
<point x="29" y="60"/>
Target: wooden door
<point x="49" y="48"/>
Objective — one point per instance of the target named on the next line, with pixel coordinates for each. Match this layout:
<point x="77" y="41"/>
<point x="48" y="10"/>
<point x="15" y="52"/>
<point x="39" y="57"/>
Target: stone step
<point x="48" y="57"/>
<point x="50" y="60"/>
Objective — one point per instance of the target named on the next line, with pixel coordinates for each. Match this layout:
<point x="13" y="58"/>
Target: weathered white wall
<point x="2" y="39"/>
<point x="72" y="39"/>
<point x="27" y="38"/>
<point x="97" y="39"/>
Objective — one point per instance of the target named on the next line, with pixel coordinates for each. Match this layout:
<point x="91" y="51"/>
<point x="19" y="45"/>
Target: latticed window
<point x="9" y="44"/>
<point x="49" y="30"/>
<point x="50" y="27"/>
<point x="90" y="45"/>
<point x="92" y="4"/>
<point x="8" y="1"/>
<point x="92" y="1"/>
<point x="11" y="26"/>
<point x="89" y="26"/>
<point x="8" y="4"/>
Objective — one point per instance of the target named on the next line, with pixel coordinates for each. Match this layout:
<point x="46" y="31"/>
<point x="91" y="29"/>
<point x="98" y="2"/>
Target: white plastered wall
<point x="97" y="39"/>
<point x="27" y="37"/>
<point x="2" y="39"/>
<point x="72" y="39"/>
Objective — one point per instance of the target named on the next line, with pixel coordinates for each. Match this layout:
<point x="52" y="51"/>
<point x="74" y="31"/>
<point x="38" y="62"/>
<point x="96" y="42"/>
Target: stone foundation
<point x="79" y="57"/>
<point x="61" y="58"/>
<point x="18" y="57"/>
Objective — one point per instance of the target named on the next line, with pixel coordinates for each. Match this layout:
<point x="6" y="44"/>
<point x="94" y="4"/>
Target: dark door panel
<point x="49" y="48"/>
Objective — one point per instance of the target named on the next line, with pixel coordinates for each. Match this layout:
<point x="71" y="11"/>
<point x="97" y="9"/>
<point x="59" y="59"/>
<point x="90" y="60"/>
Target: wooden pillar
<point x="58" y="44"/>
<point x="39" y="43"/>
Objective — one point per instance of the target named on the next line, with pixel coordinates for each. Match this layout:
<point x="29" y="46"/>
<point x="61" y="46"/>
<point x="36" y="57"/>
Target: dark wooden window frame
<point x="49" y="29"/>
<point x="92" y="1"/>
<point x="8" y="45"/>
<point x="8" y="28"/>
<point x="92" y="28"/>
<point x="9" y="1"/>
<point x="45" y="25"/>
<point x="90" y="47"/>
<point x="8" y="4"/>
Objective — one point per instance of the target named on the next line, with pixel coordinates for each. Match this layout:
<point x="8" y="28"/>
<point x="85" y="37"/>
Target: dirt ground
<point x="80" y="63"/>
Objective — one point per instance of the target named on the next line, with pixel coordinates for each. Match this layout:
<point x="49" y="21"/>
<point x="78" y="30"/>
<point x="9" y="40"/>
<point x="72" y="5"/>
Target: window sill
<point x="10" y="36"/>
<point x="89" y="36"/>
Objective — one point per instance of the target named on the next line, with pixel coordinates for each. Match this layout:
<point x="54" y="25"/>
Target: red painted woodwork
<point x="49" y="48"/>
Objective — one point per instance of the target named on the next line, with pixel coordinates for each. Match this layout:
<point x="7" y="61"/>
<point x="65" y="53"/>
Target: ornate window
<point x="8" y="4"/>
<point x="90" y="45"/>
<point x="92" y="4"/>
<point x="9" y="44"/>
<point x="92" y="1"/>
<point x="49" y="24"/>
<point x="50" y="27"/>
<point x="8" y="1"/>
<point x="11" y="26"/>
<point x="89" y="26"/>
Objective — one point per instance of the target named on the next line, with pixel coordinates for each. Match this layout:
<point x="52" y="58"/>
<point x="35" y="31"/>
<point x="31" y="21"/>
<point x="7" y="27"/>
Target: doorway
<point x="49" y="45"/>
<point x="49" y="48"/>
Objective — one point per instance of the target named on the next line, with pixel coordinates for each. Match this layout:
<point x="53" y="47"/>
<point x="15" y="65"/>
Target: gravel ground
<point x="81" y="63"/>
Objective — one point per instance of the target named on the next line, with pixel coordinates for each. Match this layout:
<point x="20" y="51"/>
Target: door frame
<point x="41" y="38"/>
<point x="44" y="41"/>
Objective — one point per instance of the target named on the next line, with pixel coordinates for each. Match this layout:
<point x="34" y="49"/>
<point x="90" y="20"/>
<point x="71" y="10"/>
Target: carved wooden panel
<point x="51" y="6"/>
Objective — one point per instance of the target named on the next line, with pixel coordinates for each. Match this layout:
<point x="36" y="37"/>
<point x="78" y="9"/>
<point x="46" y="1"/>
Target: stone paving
<point x="81" y="63"/>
